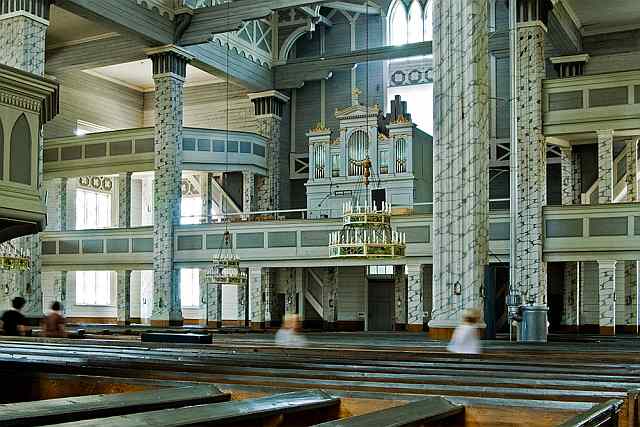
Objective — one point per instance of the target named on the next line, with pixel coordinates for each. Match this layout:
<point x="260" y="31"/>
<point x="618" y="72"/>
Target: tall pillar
<point x="529" y="269"/>
<point x="631" y="267"/>
<point x="268" y="286"/>
<point x="607" y="296"/>
<point x="571" y="176"/>
<point x="206" y="194"/>
<point x="23" y="29"/>
<point x="400" y="285"/>
<point x="268" y="111"/>
<point x="62" y="211"/>
<point x="605" y="166"/>
<point x="256" y="298"/>
<point x="632" y="170"/>
<point x="211" y="301"/>
<point x="461" y="160"/>
<point x="570" y="296"/>
<point x="571" y="193"/>
<point x="415" y="304"/>
<point x="124" y="297"/>
<point x="330" y="299"/>
<point x="61" y="290"/>
<point x="242" y="305"/>
<point x="124" y="200"/>
<point x="169" y="71"/>
<point x="291" y="290"/>
<point x="248" y="192"/>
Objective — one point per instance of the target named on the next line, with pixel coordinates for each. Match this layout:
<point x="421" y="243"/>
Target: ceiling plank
<point x="295" y="72"/>
<point x="219" y="61"/>
<point x="98" y="53"/>
<point x="124" y="16"/>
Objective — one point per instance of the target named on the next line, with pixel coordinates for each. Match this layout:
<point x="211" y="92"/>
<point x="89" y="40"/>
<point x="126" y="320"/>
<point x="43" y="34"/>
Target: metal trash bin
<point x="533" y="327"/>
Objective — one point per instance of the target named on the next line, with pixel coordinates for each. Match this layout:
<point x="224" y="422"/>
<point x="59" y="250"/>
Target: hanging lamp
<point x="225" y="268"/>
<point x="12" y="259"/>
<point x="366" y="228"/>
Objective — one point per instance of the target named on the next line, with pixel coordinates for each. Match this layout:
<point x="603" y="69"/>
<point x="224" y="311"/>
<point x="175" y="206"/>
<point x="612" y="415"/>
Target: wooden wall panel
<point x="95" y="100"/>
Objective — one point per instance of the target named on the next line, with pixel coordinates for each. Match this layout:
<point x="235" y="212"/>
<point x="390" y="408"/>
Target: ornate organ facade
<point x="400" y="155"/>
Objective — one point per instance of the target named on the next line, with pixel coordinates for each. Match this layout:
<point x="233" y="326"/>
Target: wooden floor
<point x="552" y="381"/>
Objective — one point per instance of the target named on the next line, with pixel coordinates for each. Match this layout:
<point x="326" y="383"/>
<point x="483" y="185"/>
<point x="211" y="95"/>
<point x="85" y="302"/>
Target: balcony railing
<point x="591" y="103"/>
<point x="132" y="150"/>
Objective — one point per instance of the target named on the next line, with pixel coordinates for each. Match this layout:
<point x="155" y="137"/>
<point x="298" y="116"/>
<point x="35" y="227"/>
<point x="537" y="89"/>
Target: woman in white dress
<point x="465" y="338"/>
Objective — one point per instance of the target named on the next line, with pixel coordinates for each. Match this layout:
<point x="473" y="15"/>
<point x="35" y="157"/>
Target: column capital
<point x="606" y="264"/>
<point x="530" y="11"/>
<point x="604" y="133"/>
<point x="169" y="60"/>
<point x="38" y="10"/>
<point x="269" y="102"/>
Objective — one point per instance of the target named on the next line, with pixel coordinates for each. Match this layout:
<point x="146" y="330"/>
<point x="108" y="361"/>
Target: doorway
<point x="379" y="196"/>
<point x="380" y="305"/>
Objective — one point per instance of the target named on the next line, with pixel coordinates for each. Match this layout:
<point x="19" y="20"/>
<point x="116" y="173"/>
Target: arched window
<point x="410" y="21"/>
<point x="358" y="148"/>
<point x="20" y="152"/>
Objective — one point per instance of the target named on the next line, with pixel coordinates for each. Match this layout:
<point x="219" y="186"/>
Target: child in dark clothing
<point x="13" y="321"/>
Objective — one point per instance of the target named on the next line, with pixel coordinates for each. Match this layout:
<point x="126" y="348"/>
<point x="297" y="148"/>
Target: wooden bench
<point x="51" y="411"/>
<point x="187" y="338"/>
<point x="605" y="414"/>
<point x="312" y="406"/>
<point x="412" y="414"/>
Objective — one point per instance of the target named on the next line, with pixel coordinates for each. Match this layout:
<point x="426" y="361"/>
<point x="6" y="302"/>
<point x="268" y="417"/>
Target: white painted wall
<point x="352" y="282"/>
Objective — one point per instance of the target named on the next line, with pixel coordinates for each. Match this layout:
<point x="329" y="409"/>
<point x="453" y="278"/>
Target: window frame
<point x="96" y="277"/>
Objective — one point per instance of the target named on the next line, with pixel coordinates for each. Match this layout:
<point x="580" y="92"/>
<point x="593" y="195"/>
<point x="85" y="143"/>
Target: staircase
<point x="620" y="172"/>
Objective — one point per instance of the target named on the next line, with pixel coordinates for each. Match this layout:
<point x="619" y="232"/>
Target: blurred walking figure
<point x="288" y="335"/>
<point x="13" y="321"/>
<point x="465" y="338"/>
<point x="53" y="323"/>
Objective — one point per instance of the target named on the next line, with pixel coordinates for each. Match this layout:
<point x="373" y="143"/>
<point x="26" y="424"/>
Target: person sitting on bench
<point x="13" y="321"/>
<point x="53" y="323"/>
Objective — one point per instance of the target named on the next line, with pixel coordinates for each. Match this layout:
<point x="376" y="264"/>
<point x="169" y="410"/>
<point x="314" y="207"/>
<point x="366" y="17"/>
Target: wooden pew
<point x="186" y="338"/>
<point x="606" y="414"/>
<point x="412" y="414"/>
<point x="289" y="409"/>
<point x="51" y="411"/>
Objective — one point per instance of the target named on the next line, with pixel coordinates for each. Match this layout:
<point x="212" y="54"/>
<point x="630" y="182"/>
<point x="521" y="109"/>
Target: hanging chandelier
<point x="12" y="259"/>
<point x="225" y="268"/>
<point x="366" y="229"/>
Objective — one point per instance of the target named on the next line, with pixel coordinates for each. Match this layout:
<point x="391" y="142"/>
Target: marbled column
<point x="124" y="200"/>
<point x="569" y="294"/>
<point x="242" y="304"/>
<point x="211" y="301"/>
<point x="571" y="176"/>
<point x="256" y="298"/>
<point x="461" y="161"/>
<point x="630" y="283"/>
<point x="605" y="166"/>
<point x="169" y="70"/>
<point x="23" y="29"/>
<point x="23" y="33"/>
<point x="268" y="286"/>
<point x="61" y="290"/>
<point x="330" y="298"/>
<point x="206" y="192"/>
<point x="632" y="170"/>
<point x="62" y="211"/>
<point x="607" y="296"/>
<point x="530" y="269"/>
<point x="290" y="285"/>
<point x="124" y="297"/>
<point x="400" y="286"/>
<point x="415" y="305"/>
<point x="248" y="192"/>
<point x="268" y="113"/>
